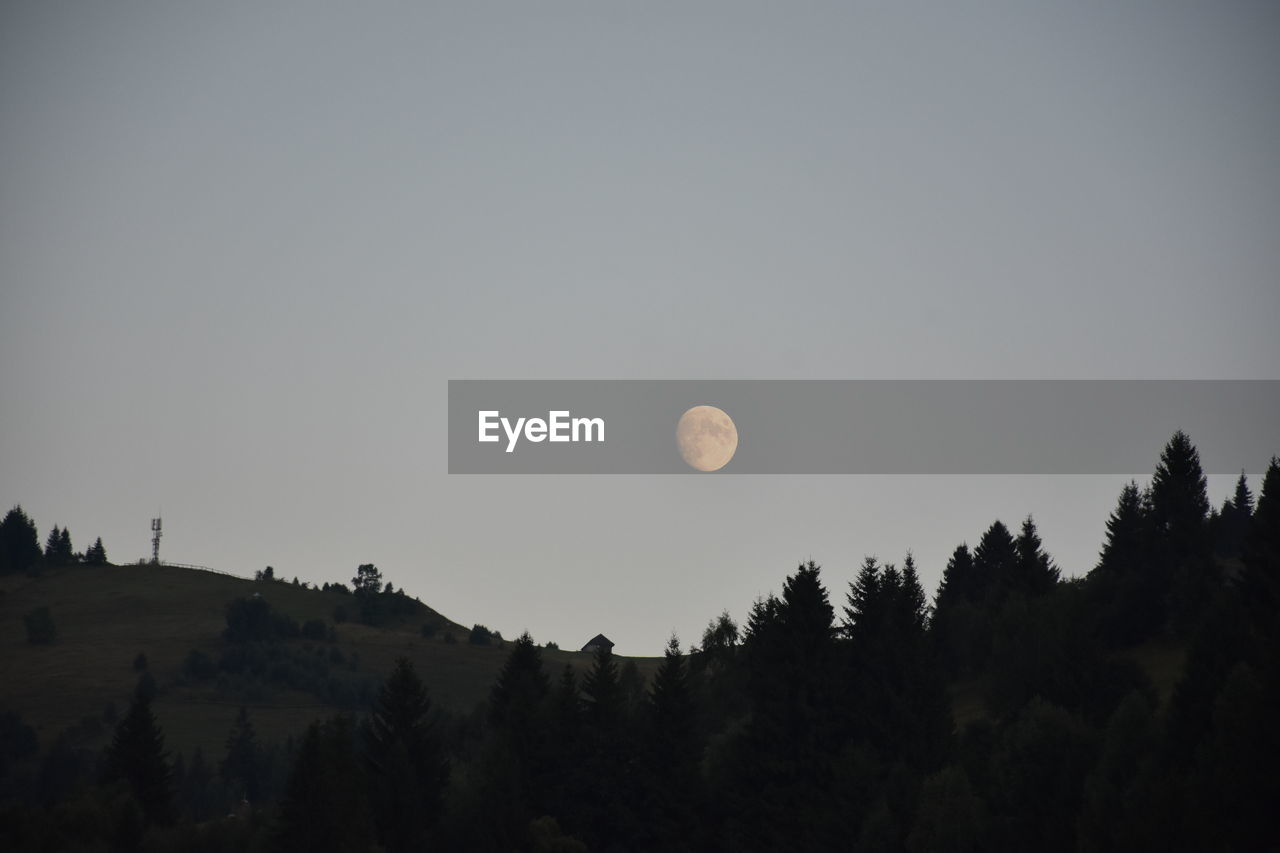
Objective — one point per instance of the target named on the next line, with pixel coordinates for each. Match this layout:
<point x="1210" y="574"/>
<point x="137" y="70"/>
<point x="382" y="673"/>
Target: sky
<point x="244" y="246"/>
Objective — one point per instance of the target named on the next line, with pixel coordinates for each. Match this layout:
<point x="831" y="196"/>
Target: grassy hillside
<point x="106" y="615"/>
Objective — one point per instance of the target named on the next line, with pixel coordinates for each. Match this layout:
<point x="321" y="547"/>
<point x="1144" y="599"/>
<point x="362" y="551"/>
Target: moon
<point x="707" y="438"/>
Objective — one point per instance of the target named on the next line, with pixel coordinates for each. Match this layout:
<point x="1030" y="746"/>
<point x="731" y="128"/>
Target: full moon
<point x="707" y="438"/>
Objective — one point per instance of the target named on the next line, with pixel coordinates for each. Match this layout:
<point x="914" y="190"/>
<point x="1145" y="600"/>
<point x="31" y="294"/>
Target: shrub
<point x="40" y="628"/>
<point x="315" y="629"/>
<point x="480" y="635"/>
<point x="198" y="665"/>
<point x="428" y="630"/>
<point x="250" y="619"/>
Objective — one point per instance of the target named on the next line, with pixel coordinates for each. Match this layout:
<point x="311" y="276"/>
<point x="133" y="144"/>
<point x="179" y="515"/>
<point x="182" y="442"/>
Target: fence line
<point x="173" y="565"/>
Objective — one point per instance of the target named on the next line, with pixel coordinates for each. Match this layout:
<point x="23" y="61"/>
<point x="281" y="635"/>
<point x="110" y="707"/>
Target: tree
<point x="1129" y="585"/>
<point x="19" y="543"/>
<point x="995" y="563"/>
<point x="1128" y="534"/>
<point x="97" y="554"/>
<point x="326" y="805"/>
<point x="52" y="547"/>
<point x="242" y="766"/>
<point x="948" y="815"/>
<point x="1232" y="526"/>
<point x="137" y="757"/>
<point x="1180" y="523"/>
<point x="1179" y="497"/>
<point x="1036" y="573"/>
<point x="368" y="579"/>
<point x="406" y="761"/>
<point x="672" y="756"/>
<point x="520" y="689"/>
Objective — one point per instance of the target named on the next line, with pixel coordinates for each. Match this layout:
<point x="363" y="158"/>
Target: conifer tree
<point x="1036" y="573"/>
<point x="137" y="757"/>
<point x="51" y="545"/>
<point x="1127" y="533"/>
<point x="97" y="554"/>
<point x="958" y="582"/>
<point x="406" y="761"/>
<point x="242" y="766"/>
<point x="1179" y="498"/>
<point x="672" y="755"/>
<point x="995" y="563"/>
<point x="326" y="805"/>
<point x="19" y="543"/>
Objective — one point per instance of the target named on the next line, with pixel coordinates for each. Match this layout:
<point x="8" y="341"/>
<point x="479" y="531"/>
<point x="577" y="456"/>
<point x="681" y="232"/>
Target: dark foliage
<point x="40" y="627"/>
<point x="19" y="543"/>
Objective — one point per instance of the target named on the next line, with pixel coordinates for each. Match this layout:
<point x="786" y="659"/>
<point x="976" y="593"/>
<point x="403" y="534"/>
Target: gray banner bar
<point x="862" y="426"/>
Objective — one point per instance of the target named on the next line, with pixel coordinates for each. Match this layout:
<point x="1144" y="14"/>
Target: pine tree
<point x="1179" y="497"/>
<point x="66" y="554"/>
<point x="1128" y="536"/>
<point x="603" y="703"/>
<point x="53" y="547"/>
<point x="19" y="543"/>
<point x="1036" y="573"/>
<point x="608" y="784"/>
<point x="137" y="757"/>
<point x="995" y="563"/>
<point x="914" y="605"/>
<point x="406" y="761"/>
<point x="1232" y="524"/>
<point x="672" y="754"/>
<point x="521" y="687"/>
<point x="326" y="806"/>
<point x="243" y="763"/>
<point x="97" y="554"/>
<point x="1258" y="586"/>
<point x="862" y="600"/>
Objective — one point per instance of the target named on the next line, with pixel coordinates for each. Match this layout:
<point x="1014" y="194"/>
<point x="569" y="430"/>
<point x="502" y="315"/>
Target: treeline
<point x="20" y="549"/>
<point x="1006" y="716"/>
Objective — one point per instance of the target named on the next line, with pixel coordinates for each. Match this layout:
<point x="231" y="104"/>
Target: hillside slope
<point x="106" y="615"/>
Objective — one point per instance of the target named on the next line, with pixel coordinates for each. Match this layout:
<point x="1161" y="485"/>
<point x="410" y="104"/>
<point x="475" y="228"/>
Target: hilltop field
<point x="106" y="615"/>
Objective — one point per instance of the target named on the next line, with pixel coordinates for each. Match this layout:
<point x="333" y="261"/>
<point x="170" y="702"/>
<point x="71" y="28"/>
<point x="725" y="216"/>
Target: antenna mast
<point x="155" y="541"/>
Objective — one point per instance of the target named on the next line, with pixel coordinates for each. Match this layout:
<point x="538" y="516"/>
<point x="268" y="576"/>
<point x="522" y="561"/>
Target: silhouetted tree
<point x="137" y="757"/>
<point x="242" y="766"/>
<point x="672" y="754"/>
<point x="406" y="761"/>
<point x="19" y="543"/>
<point x="1232" y="523"/>
<point x="368" y="579"/>
<point x="97" y="554"/>
<point x="1036" y="573"/>
<point x="326" y="804"/>
<point x="995" y="563"/>
<point x="1128" y="586"/>
<point x="778" y="785"/>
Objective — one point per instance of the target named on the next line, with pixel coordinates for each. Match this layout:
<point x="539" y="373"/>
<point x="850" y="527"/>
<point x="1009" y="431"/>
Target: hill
<point x="106" y="615"/>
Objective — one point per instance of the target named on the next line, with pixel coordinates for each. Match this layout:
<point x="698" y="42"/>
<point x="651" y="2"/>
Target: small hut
<point x="599" y="641"/>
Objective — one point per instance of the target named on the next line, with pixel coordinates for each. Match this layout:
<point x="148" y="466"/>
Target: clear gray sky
<point x="244" y="245"/>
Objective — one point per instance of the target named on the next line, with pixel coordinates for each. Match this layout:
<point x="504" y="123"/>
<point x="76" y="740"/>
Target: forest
<point x="1009" y="711"/>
